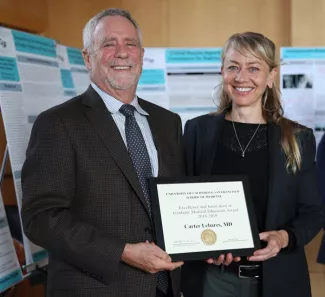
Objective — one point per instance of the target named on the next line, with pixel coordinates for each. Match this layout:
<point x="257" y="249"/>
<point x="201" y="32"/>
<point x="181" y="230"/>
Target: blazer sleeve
<point x="310" y="214"/>
<point x="48" y="185"/>
<point x="320" y="165"/>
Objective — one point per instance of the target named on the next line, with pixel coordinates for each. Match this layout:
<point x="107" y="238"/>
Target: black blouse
<point x="254" y="164"/>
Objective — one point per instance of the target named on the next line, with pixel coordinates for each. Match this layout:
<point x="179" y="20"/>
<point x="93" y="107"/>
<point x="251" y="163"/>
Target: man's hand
<point x="148" y="257"/>
<point x="222" y="259"/>
<point x="276" y="240"/>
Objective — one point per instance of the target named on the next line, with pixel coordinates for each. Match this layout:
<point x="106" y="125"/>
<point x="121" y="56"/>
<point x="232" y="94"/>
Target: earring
<point x="214" y="91"/>
<point x="264" y="99"/>
<point x="218" y="95"/>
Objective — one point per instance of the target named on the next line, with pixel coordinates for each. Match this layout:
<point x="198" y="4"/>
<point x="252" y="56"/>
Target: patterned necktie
<point x="141" y="162"/>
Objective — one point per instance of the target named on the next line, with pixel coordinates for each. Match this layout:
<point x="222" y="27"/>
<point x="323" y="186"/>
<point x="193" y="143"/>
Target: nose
<point x="241" y="76"/>
<point x="121" y="52"/>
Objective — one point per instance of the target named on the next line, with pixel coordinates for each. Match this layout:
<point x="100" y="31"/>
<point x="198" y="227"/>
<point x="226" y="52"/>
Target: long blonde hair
<point x="263" y="48"/>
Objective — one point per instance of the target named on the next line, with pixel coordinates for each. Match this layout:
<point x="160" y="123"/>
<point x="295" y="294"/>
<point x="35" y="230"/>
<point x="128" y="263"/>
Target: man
<point x="85" y="190"/>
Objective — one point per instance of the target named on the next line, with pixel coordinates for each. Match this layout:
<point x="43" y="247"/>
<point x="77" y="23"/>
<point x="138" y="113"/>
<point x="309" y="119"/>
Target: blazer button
<point x="148" y="230"/>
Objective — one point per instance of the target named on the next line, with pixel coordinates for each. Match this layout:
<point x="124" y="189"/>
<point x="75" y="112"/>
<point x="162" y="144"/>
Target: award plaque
<point x="202" y="217"/>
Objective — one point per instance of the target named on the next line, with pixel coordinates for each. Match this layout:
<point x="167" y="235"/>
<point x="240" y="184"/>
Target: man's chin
<point x="119" y="85"/>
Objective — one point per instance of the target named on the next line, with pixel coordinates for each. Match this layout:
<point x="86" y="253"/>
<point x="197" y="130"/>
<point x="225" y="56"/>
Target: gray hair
<point x="93" y="22"/>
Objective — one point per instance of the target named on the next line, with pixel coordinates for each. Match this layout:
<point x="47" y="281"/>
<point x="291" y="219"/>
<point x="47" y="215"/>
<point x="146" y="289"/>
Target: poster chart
<point x="30" y="82"/>
<point x="74" y="74"/>
<point x="10" y="272"/>
<point x="181" y="79"/>
<point x="302" y="77"/>
<point x="152" y="85"/>
<point x="192" y="73"/>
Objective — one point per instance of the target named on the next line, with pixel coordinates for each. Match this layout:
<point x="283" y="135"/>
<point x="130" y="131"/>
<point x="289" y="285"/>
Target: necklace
<point x="243" y="151"/>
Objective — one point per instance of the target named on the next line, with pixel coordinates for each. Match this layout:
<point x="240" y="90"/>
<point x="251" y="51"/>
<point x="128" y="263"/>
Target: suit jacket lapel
<point x="157" y="131"/>
<point x="276" y="167"/>
<point x="210" y="143"/>
<point x="107" y="130"/>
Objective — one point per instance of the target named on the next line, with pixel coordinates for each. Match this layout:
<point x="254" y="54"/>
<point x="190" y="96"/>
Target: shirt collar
<point x="113" y="105"/>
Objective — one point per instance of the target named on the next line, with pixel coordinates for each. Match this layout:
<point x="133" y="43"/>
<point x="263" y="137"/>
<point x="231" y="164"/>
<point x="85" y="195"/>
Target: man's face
<point x="115" y="58"/>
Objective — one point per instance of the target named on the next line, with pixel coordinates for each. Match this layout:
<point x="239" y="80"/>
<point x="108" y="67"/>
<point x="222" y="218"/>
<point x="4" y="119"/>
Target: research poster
<point x="10" y="271"/>
<point x="193" y="74"/>
<point x="30" y="82"/>
<point x="74" y="74"/>
<point x="152" y="84"/>
<point x="302" y="76"/>
<point x="182" y="80"/>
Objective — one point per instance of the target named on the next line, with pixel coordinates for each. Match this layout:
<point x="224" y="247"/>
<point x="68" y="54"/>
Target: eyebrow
<point x="249" y="63"/>
<point x="113" y="38"/>
<point x="109" y="39"/>
<point x="131" y="39"/>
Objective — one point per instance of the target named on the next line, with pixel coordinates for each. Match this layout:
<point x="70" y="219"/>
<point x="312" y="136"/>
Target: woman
<point x="320" y="164"/>
<point x="249" y="135"/>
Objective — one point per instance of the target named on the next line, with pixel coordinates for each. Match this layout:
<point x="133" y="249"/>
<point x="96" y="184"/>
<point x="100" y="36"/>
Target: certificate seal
<point x="209" y="237"/>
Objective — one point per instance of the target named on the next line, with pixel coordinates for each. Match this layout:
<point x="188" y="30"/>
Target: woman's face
<point x="245" y="77"/>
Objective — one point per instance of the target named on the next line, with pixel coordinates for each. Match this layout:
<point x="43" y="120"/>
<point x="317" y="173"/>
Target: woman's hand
<point x="276" y="240"/>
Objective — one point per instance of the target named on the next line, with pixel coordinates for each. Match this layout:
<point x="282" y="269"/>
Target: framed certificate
<point x="202" y="217"/>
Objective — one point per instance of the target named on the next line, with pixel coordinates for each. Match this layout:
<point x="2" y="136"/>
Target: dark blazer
<point x="320" y="164"/>
<point x="82" y="200"/>
<point x="293" y="202"/>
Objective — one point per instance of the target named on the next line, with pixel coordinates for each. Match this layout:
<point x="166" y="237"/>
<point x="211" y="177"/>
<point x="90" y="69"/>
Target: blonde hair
<point x="263" y="48"/>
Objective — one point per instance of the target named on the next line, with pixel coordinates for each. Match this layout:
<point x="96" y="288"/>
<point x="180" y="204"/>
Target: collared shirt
<point x="113" y="105"/>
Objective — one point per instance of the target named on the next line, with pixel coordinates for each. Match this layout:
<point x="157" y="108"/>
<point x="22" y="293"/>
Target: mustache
<point x="126" y="62"/>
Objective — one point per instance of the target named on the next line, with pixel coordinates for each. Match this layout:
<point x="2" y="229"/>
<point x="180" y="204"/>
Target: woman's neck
<point x="246" y="115"/>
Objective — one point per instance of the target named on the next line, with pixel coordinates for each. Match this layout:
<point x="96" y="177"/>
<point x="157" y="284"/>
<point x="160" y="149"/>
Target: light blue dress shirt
<point x="113" y="105"/>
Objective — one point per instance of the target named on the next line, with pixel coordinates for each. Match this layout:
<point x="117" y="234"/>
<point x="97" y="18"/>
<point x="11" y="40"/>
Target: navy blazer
<point x="320" y="164"/>
<point x="293" y="201"/>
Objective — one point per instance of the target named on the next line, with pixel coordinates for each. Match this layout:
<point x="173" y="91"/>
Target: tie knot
<point x="127" y="110"/>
